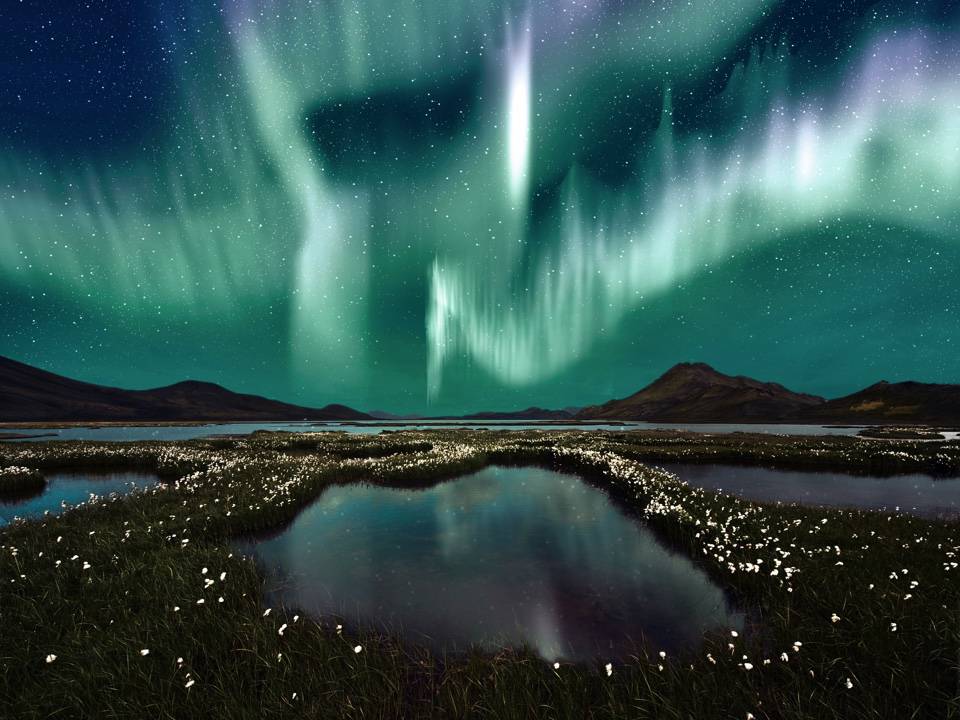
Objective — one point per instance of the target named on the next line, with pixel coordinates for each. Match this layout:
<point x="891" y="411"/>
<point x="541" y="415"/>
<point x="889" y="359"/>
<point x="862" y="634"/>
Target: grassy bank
<point x="17" y="481"/>
<point x="857" y="612"/>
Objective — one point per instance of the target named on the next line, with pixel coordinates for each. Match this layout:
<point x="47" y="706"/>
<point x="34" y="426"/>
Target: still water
<point x="135" y="433"/>
<point x="72" y="489"/>
<point x="918" y="494"/>
<point x="501" y="557"/>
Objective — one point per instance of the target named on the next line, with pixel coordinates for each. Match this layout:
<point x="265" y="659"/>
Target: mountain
<point x="885" y="402"/>
<point x="30" y="394"/>
<point x="695" y="392"/>
<point x="384" y="415"/>
<point x="531" y="413"/>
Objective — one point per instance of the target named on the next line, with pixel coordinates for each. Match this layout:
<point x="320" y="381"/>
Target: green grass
<point x="97" y="620"/>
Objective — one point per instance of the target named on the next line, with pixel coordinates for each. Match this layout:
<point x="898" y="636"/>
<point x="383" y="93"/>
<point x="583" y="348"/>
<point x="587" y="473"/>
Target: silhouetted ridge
<point x="695" y="392"/>
<point x="31" y="394"/>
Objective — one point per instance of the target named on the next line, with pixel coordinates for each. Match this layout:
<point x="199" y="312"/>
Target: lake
<point x="134" y="433"/>
<point x="72" y="489"/>
<point x="501" y="557"/>
<point x="915" y="493"/>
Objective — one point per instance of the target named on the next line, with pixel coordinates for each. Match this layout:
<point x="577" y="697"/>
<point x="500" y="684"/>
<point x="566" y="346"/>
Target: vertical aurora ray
<point x="519" y="62"/>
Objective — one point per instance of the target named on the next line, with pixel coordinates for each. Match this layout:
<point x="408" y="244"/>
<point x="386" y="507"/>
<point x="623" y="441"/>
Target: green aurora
<point x="448" y="207"/>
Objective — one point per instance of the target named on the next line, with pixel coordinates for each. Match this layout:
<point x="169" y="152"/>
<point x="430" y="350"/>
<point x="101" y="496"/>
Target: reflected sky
<point x="72" y="489"/>
<point x="505" y="556"/>
<point x="915" y="493"/>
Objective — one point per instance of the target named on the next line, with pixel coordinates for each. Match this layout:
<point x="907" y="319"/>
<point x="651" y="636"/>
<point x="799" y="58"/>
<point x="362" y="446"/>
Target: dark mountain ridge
<point x="687" y="393"/>
<point x="29" y="394"/>
<point x="884" y="402"/>
<point x="695" y="392"/>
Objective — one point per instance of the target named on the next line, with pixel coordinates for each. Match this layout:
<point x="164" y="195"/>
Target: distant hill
<point x="531" y="413"/>
<point x="30" y="394"/>
<point x="695" y="392"/>
<point x="384" y="415"/>
<point x="892" y="403"/>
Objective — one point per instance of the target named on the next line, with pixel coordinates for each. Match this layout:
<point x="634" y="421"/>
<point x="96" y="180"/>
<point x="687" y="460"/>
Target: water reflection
<point x="918" y="494"/>
<point x="71" y="489"/>
<point x="505" y="556"/>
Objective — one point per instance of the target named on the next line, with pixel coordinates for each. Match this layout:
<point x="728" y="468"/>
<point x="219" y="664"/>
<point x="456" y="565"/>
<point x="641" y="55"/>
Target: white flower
<point x="144" y="652"/>
<point x="358" y="649"/>
<point x="849" y="684"/>
<point x="834" y="618"/>
<point x="556" y="666"/>
<point x="282" y="628"/>
<point x="893" y="627"/>
<point x="734" y="633"/>
<point x="50" y="658"/>
<point x="267" y="612"/>
<point x="609" y="669"/>
<point x="223" y="576"/>
<point x="748" y="666"/>
<point x="201" y="601"/>
<point x="189" y="683"/>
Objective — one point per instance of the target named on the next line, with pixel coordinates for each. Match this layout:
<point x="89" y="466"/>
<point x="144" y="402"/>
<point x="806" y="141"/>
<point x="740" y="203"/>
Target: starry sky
<point x="443" y="207"/>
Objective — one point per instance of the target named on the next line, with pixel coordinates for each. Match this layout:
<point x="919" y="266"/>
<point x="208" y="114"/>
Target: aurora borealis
<point x="454" y="206"/>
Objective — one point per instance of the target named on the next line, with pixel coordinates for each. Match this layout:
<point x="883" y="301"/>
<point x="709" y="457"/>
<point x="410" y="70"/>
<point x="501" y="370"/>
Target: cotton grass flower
<point x="50" y="658"/>
<point x="144" y="652"/>
<point x="609" y="669"/>
<point x="358" y="649"/>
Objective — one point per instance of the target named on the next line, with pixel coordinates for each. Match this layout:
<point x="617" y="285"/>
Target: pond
<point x="501" y="557"/>
<point x="72" y="489"/>
<point x="918" y="494"/>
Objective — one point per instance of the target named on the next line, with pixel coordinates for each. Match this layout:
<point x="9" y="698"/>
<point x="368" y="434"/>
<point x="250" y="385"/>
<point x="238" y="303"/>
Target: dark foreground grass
<point x="17" y="482"/>
<point x="135" y="607"/>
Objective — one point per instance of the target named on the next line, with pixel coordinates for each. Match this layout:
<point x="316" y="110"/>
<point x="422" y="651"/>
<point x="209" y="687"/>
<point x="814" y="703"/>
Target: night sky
<point x="427" y="206"/>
